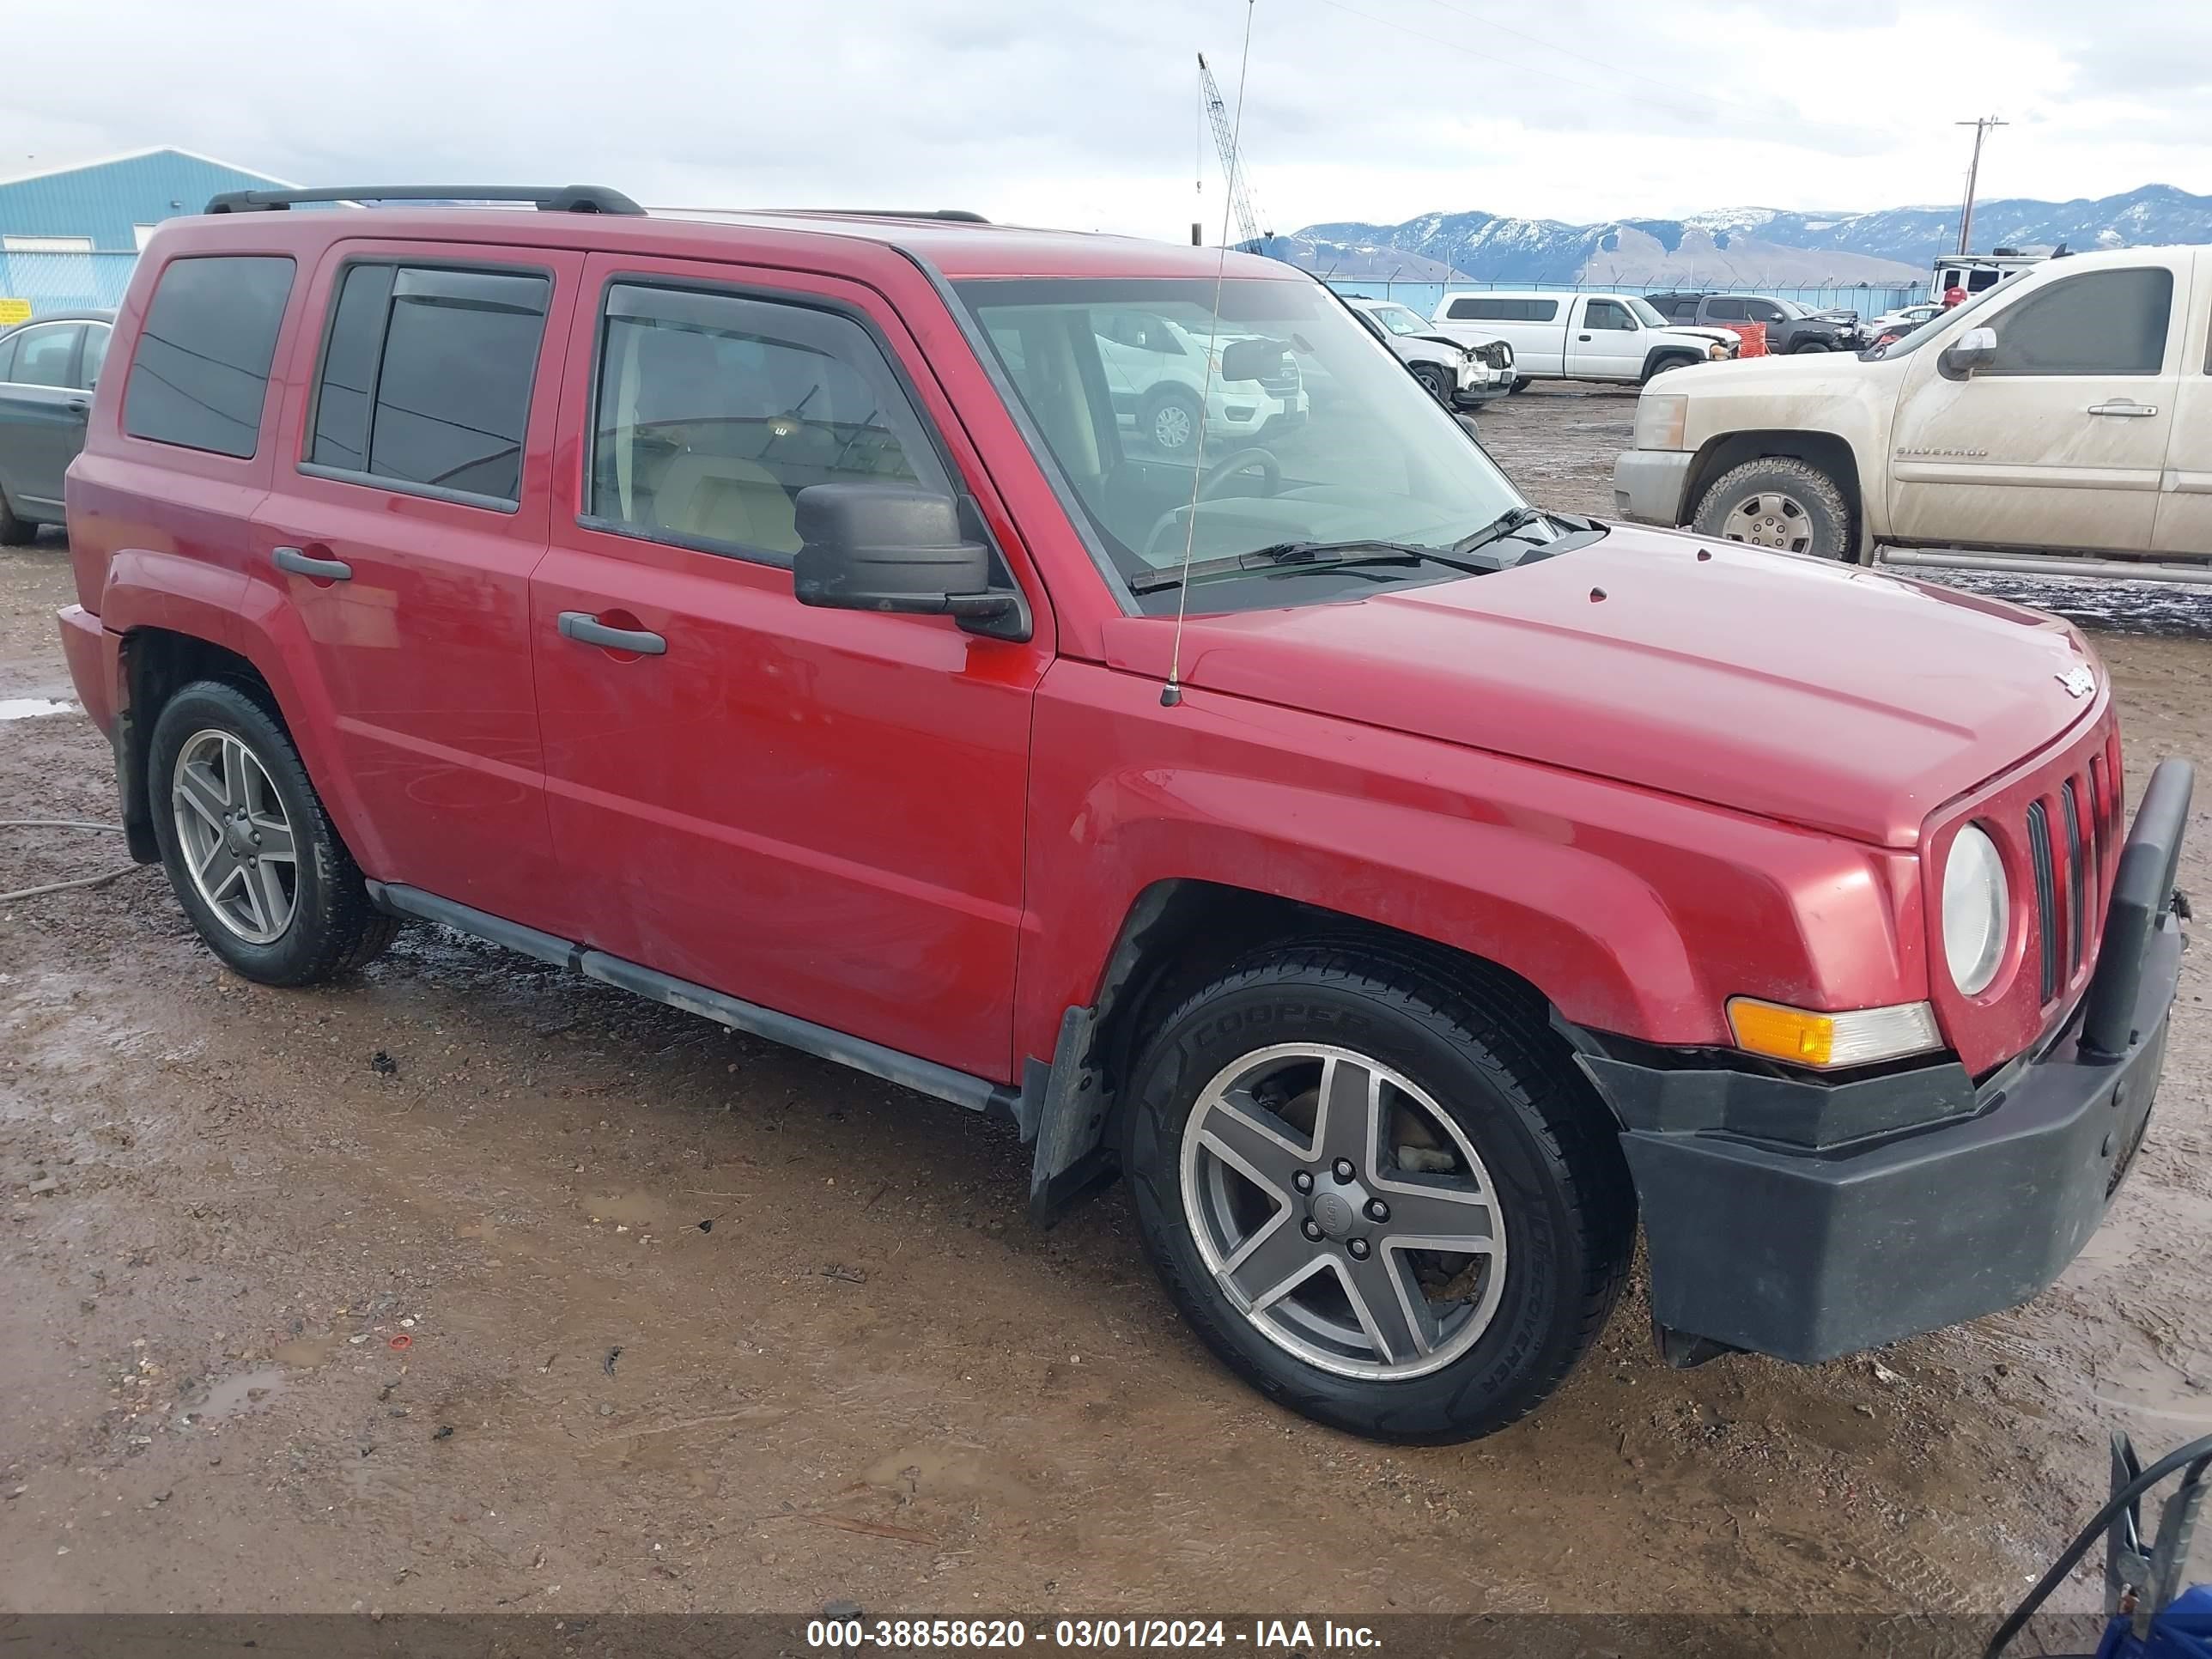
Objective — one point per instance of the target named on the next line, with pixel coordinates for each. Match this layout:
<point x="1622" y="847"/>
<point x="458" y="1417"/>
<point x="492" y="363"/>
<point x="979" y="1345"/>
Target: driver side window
<point x="2101" y="322"/>
<point x="1609" y="315"/>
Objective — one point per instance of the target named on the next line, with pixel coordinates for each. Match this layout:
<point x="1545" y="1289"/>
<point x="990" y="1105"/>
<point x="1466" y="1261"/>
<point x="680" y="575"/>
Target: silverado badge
<point x="2078" y="681"/>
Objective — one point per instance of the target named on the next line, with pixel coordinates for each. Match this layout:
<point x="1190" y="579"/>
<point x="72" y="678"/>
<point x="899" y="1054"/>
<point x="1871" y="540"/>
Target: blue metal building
<point x="69" y="236"/>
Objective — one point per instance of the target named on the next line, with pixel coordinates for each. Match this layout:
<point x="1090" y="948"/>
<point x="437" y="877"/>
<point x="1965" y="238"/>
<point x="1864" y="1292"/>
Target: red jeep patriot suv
<point x="1406" y="889"/>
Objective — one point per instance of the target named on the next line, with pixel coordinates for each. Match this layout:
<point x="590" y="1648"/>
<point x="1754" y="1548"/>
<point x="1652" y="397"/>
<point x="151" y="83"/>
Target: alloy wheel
<point x="1342" y="1211"/>
<point x="1172" y="426"/>
<point x="236" y="837"/>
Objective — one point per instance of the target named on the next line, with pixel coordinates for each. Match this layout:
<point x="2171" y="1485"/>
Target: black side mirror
<point x="895" y="547"/>
<point x="1976" y="349"/>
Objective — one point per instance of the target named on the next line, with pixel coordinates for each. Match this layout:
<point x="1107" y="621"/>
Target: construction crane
<point x="1224" y="140"/>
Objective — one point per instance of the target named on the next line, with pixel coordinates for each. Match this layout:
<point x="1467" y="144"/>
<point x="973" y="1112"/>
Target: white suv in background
<point x="1156" y="375"/>
<point x="1580" y="337"/>
<point x="1457" y="371"/>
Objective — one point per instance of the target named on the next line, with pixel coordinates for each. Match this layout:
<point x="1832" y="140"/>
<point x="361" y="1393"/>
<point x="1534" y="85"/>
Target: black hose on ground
<point x="2198" y="1451"/>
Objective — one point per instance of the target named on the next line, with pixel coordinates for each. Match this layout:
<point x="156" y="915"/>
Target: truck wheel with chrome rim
<point x="247" y="845"/>
<point x="1786" y="505"/>
<point x="1379" y="1189"/>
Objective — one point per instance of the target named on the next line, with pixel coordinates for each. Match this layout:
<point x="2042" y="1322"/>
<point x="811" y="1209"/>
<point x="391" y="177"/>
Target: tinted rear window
<point x="1490" y="308"/>
<point x="199" y="375"/>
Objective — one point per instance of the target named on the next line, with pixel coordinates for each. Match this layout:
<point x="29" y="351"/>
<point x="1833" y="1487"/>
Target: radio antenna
<point x="1232" y="157"/>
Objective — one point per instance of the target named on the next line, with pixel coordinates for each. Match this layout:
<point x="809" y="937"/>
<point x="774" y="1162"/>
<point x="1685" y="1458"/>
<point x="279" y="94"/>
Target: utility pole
<point x="1981" y="127"/>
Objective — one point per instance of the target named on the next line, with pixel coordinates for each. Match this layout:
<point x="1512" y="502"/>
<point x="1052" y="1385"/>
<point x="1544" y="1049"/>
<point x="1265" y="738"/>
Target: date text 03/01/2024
<point x="1263" y="1635"/>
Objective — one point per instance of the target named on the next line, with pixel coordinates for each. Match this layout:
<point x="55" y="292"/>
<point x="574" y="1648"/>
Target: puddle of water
<point x="302" y="1352"/>
<point x="24" y="708"/>
<point x="230" y="1395"/>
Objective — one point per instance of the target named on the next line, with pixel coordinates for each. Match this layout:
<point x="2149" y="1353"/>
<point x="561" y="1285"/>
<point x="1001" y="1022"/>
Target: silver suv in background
<point x="1458" y="372"/>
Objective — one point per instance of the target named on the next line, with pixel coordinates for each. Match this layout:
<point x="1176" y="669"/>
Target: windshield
<point x="1328" y="440"/>
<point x="1646" y="313"/>
<point x="1399" y="319"/>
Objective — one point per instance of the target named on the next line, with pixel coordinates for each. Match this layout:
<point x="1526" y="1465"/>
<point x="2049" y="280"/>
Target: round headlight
<point x="1976" y="910"/>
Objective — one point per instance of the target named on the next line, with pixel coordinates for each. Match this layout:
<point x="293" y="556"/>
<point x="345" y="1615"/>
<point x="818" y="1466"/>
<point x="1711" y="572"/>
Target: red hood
<point x="1819" y="694"/>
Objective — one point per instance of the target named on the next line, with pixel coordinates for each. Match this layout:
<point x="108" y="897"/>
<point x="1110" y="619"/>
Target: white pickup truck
<point x="2059" y="422"/>
<point x="1579" y="336"/>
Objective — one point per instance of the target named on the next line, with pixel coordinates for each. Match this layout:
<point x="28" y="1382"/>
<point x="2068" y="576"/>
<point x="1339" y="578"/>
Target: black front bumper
<point x="1806" y="1220"/>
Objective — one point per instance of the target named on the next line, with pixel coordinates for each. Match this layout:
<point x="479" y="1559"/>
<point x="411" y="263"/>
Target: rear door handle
<point x="586" y="629"/>
<point x="1584" y="338"/>
<point x="78" y="405"/>
<point x="331" y="570"/>
<point x="2125" y="409"/>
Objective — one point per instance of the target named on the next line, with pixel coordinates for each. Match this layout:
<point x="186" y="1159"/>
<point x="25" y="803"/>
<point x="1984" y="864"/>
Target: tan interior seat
<point x="724" y="499"/>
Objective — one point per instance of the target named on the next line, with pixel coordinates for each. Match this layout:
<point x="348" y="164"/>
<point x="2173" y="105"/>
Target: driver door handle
<point x="1584" y="338"/>
<point x="2125" y="408"/>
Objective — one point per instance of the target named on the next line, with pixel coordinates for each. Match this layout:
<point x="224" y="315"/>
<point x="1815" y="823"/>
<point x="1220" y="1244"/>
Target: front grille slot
<point x="2098" y="796"/>
<point x="2046" y="895"/>
<point x="2078" y="874"/>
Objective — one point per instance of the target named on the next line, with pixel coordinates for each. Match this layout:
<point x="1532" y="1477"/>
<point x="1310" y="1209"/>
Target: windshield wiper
<point x="1307" y="556"/>
<point x="1513" y="519"/>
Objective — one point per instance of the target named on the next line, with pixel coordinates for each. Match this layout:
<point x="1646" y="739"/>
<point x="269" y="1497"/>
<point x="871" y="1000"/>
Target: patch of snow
<point x="24" y="708"/>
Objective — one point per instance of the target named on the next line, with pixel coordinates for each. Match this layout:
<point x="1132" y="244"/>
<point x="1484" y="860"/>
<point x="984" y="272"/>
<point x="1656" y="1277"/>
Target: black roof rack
<point x="950" y="215"/>
<point x="547" y="199"/>
<point x="957" y="216"/>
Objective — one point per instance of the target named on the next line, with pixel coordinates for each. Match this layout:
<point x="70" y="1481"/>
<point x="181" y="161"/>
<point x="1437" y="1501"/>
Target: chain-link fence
<point x="65" y="282"/>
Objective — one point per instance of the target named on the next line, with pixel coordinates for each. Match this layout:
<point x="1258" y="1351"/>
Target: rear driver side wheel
<point x="248" y="847"/>
<point x="1387" y="1202"/>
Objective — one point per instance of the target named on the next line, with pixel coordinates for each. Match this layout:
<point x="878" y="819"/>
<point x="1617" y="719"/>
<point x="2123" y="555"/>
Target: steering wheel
<point x="1271" y="477"/>
<point x="1242" y="460"/>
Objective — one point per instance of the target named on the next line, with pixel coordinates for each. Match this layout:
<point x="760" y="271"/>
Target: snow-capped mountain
<point x="1733" y="246"/>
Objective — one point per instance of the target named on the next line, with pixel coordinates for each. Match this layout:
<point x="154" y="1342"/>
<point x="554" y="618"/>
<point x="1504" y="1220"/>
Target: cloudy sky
<point x="1085" y="113"/>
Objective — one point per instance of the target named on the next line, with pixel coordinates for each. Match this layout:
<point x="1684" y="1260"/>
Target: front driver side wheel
<point x="1787" y="505"/>
<point x="1387" y="1199"/>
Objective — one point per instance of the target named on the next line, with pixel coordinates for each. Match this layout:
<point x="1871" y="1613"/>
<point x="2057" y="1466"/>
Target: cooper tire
<point x="1779" y="503"/>
<point x="235" y="753"/>
<point x="1482" y="1057"/>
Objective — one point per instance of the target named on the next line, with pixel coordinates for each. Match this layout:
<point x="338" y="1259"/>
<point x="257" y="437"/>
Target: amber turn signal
<point x="1857" y="1037"/>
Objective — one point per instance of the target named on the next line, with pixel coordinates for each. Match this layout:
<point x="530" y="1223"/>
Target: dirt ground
<point x="471" y="1287"/>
